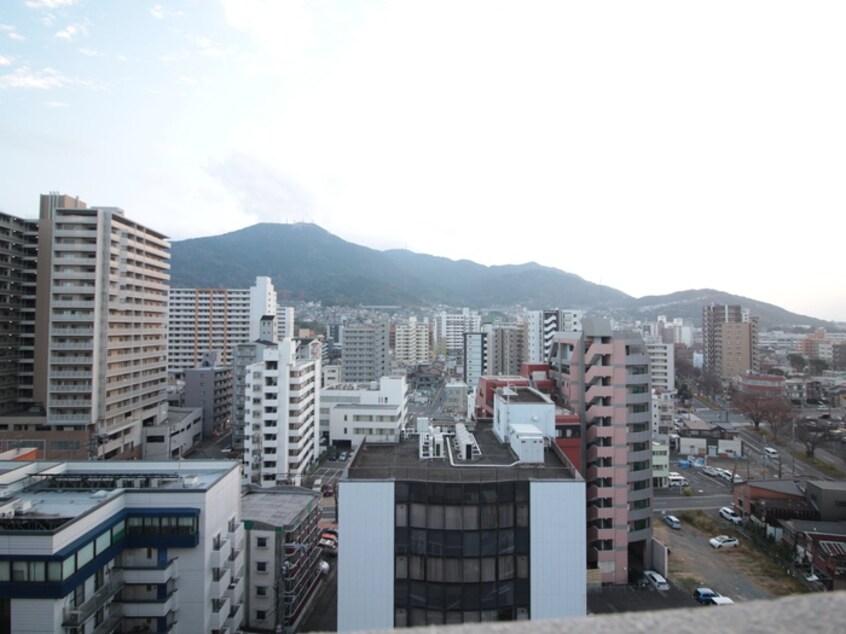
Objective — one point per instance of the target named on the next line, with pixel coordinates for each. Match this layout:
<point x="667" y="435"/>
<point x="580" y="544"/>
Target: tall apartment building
<point x="281" y="412"/>
<point x="365" y="353"/>
<point x="412" y="342"/>
<point x="451" y="327"/>
<point x="461" y="528"/>
<point x="603" y="377"/>
<point x="92" y="333"/>
<point x="730" y="340"/>
<point x="507" y="350"/>
<point x="244" y="355"/>
<point x="201" y="319"/>
<point x="121" y="547"/>
<point x="18" y="251"/>
<point x="662" y="365"/>
<point x="475" y="358"/>
<point x="541" y="326"/>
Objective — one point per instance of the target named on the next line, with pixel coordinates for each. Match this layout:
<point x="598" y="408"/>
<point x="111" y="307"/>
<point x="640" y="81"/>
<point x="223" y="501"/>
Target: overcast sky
<point x="649" y="146"/>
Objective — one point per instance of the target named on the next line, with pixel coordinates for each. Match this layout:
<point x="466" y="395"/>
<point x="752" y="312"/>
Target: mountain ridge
<point x="308" y="263"/>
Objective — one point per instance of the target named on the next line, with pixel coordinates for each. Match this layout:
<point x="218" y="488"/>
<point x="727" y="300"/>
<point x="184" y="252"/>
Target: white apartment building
<point x="541" y="325"/>
<point x="202" y="319"/>
<point x="412" y="342"/>
<point x="382" y="405"/>
<point x="281" y="406"/>
<point x="475" y="358"/>
<point x="122" y="546"/>
<point x="285" y="322"/>
<point x="662" y="365"/>
<point x="450" y="329"/>
<point x="663" y="413"/>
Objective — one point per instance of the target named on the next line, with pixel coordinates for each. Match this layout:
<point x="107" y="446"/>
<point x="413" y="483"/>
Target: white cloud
<point x="5" y="61"/>
<point x="49" y="4"/>
<point x="12" y="32"/>
<point x="160" y="13"/>
<point x="72" y="31"/>
<point x="90" y="52"/>
<point x="44" y="79"/>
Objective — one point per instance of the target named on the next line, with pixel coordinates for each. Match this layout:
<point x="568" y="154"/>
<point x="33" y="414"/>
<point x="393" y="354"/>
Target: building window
<point x="261" y="615"/>
<point x="261" y="591"/>
<point x="261" y="542"/>
<point x="261" y="566"/>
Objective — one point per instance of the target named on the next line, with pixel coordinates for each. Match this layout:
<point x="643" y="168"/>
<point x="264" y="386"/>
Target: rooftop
<point x="277" y="507"/>
<point x="46" y="495"/>
<point x="401" y="461"/>
<point x="522" y="394"/>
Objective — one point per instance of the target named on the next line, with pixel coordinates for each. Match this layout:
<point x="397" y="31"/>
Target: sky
<point x="649" y="146"/>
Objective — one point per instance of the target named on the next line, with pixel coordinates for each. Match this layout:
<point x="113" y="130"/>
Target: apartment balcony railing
<point x="221" y="550"/>
<point x="76" y="616"/>
<point x="150" y="575"/>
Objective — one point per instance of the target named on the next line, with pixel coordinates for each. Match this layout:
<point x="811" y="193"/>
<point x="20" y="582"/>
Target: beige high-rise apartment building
<point x="730" y="340"/>
<point x="96" y="320"/>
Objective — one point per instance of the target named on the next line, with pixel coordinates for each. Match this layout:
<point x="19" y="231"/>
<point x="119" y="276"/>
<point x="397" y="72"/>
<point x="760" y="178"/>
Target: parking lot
<point x="742" y="573"/>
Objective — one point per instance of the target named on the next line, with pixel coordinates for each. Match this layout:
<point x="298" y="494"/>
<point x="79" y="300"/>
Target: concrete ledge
<point x="823" y="613"/>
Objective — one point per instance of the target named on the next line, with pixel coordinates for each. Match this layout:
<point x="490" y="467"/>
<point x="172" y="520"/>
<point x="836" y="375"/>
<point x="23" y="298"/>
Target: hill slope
<point x="307" y="262"/>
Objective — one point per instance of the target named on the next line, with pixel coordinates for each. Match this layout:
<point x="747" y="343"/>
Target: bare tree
<point x="778" y="413"/>
<point x="711" y="384"/>
<point x="752" y="405"/>
<point x="812" y="434"/>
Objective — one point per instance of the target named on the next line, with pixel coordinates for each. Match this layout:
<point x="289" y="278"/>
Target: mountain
<point x="307" y="262"/>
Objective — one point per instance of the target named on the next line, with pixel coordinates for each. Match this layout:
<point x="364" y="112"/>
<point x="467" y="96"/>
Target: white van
<point x="769" y="452"/>
<point x="677" y="480"/>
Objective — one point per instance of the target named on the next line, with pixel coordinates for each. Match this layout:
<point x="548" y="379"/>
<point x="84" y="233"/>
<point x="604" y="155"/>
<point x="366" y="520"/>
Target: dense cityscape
<point x="213" y="460"/>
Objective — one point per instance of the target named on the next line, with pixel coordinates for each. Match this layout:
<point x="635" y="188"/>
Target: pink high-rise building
<point x="603" y="378"/>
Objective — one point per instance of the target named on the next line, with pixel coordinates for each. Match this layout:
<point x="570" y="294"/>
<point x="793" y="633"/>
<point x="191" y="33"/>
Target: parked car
<point x="723" y="541"/>
<point x="711" y="471"/>
<point x="672" y="521"/>
<point x="731" y="515"/>
<point x="343" y="456"/>
<point x="328" y="489"/>
<point x="703" y="594"/>
<point x="655" y="580"/>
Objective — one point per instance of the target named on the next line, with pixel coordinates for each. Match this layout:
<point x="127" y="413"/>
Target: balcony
<point x="236" y="535"/>
<point x="151" y="575"/>
<point x="221" y="550"/>
<point x="221" y="579"/>
<point x="236" y="617"/>
<point x="235" y="591"/>
<point x="219" y="613"/>
<point x="154" y="608"/>
<point x="76" y="616"/>
<point x="236" y="562"/>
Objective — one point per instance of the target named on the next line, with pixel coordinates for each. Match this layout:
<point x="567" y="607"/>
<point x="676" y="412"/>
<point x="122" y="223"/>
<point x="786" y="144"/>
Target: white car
<point x="723" y="541"/>
<point x="655" y="580"/>
<point x="711" y="471"/>
<point x="731" y="515"/>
